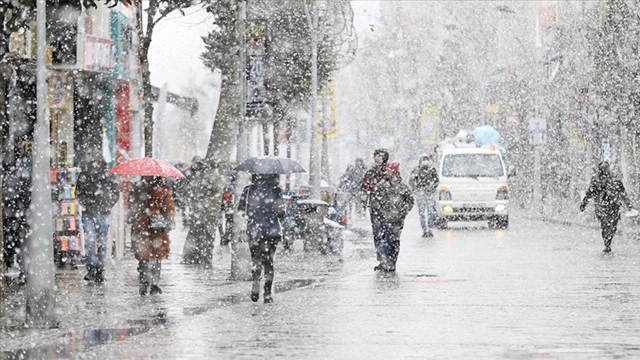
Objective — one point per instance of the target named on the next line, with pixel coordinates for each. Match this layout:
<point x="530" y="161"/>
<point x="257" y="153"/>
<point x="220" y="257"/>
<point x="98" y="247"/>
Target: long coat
<point x="157" y="201"/>
<point x="393" y="201"/>
<point x="264" y="207"/>
<point x="608" y="195"/>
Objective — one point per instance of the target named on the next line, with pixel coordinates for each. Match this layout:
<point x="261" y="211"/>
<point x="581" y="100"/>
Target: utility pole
<point x="325" y="144"/>
<point x="314" y="175"/>
<point x="40" y="294"/>
<point x="3" y="112"/>
<point x="240" y="256"/>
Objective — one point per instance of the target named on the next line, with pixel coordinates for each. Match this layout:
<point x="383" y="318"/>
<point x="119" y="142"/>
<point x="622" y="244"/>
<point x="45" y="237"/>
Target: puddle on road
<point x="74" y="342"/>
<point x="235" y="299"/>
<point x="78" y="340"/>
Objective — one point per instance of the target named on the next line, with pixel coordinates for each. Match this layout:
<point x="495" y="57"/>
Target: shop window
<point x="62" y="30"/>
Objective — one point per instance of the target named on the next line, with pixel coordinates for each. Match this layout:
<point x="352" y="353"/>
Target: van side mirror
<point x="511" y="171"/>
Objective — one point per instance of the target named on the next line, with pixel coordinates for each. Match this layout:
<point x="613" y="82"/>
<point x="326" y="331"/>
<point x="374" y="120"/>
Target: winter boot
<point x="22" y="279"/>
<point x="91" y="275"/>
<point x="155" y="290"/>
<point x="267" y="293"/>
<point x="607" y="249"/>
<point x="143" y="266"/>
<point x="144" y="285"/>
<point x="255" y="291"/>
<point x="99" y="275"/>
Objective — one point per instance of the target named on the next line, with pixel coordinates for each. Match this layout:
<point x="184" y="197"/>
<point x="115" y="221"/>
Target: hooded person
<point x="98" y="192"/>
<point x="153" y="213"/>
<point x="263" y="205"/>
<point x="608" y="194"/>
<point x="424" y="182"/>
<point x="393" y="200"/>
<point x="370" y="181"/>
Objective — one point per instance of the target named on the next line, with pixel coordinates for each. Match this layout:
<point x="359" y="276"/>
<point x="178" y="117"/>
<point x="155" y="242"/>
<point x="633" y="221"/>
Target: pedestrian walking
<point x="225" y="223"/>
<point x="16" y="190"/>
<point x="370" y="181"/>
<point x="608" y="194"/>
<point x="205" y="197"/>
<point x="97" y="191"/>
<point x="152" y="211"/>
<point x="263" y="206"/>
<point x="391" y="199"/>
<point x="350" y="184"/>
<point x="424" y="182"/>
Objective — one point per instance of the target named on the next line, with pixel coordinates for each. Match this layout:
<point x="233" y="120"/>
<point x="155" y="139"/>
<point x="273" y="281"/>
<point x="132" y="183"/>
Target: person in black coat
<point x="370" y="181"/>
<point x="16" y="190"/>
<point x="98" y="192"/>
<point x="608" y="195"/>
<point x="263" y="205"/>
<point x="424" y="182"/>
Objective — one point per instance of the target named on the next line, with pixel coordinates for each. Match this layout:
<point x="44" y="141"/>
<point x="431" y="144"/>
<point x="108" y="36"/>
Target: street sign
<point x="537" y="131"/>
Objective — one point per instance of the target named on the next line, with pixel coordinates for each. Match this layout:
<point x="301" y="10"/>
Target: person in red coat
<point x="152" y="216"/>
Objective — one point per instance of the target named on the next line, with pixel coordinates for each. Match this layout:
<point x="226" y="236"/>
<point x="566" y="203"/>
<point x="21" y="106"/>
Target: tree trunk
<point x="203" y="222"/>
<point x="2" y="121"/>
<point x="265" y="138"/>
<point x="146" y="79"/>
<point x="148" y="107"/>
<point x="201" y="239"/>
<point x="223" y="139"/>
<point x="276" y="134"/>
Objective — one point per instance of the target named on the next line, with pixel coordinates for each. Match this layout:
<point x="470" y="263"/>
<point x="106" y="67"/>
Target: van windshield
<point x="472" y="165"/>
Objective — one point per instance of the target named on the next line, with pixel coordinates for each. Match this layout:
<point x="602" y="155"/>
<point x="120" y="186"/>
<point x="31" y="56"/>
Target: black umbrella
<point x="270" y="165"/>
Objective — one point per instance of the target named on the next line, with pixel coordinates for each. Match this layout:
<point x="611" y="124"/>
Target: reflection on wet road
<point x="533" y="291"/>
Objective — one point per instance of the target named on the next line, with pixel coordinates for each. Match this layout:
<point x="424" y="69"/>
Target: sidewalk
<point x="86" y="308"/>
<point x="567" y="212"/>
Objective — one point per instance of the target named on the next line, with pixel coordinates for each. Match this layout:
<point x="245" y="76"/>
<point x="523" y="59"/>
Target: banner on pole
<point x="332" y="116"/>
<point x="429" y="125"/>
<point x="256" y="66"/>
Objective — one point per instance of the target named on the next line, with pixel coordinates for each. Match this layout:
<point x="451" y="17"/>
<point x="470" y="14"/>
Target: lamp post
<point x="40" y="297"/>
<point x="240" y="257"/>
<point x="314" y="163"/>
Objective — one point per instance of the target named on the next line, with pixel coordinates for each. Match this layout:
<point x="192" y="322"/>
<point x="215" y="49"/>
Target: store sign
<point x="60" y="90"/>
<point x="98" y="54"/>
<point x="256" y="66"/>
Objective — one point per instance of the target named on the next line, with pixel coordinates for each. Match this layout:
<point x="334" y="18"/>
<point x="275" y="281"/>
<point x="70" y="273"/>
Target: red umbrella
<point x="146" y="167"/>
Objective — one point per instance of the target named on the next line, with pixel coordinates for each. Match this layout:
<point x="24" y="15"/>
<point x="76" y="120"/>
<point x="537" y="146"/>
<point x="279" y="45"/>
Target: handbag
<point x="159" y="223"/>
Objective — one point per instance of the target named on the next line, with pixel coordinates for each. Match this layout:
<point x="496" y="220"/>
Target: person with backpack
<point x="424" y="182"/>
<point x="608" y="195"/>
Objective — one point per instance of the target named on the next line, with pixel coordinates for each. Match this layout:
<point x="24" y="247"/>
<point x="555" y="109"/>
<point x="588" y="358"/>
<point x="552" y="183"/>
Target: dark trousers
<point x="149" y="271"/>
<point x="377" y="228"/>
<point x="609" y="226"/>
<point x="390" y="245"/>
<point x="262" y="254"/>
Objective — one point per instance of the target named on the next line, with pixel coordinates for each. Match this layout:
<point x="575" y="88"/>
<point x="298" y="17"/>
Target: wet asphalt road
<point x="536" y="291"/>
